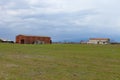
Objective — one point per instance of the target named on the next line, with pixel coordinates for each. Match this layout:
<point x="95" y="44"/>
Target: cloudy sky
<point x="63" y="20"/>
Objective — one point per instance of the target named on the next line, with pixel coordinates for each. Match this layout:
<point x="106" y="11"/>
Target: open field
<point x="59" y="62"/>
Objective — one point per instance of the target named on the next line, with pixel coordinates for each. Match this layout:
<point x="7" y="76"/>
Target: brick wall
<point x="24" y="39"/>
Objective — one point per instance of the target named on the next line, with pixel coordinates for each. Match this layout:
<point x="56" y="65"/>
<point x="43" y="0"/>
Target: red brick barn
<point x="26" y="39"/>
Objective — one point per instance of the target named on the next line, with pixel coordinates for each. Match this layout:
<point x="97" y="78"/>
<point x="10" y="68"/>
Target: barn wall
<point x="22" y="39"/>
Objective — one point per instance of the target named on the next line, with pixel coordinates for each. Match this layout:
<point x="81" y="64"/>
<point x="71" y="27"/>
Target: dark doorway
<point x="22" y="41"/>
<point x="98" y="42"/>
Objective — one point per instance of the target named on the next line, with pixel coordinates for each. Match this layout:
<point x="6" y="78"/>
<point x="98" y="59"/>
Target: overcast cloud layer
<point x="71" y="20"/>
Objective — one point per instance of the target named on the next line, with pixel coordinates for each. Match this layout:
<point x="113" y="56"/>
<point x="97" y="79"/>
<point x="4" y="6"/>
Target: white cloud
<point x="62" y="16"/>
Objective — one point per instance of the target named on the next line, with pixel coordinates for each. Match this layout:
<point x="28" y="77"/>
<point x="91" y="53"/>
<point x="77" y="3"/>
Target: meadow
<point x="59" y="62"/>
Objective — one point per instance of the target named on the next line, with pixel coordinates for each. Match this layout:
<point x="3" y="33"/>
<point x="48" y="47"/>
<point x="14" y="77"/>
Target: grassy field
<point x="59" y="62"/>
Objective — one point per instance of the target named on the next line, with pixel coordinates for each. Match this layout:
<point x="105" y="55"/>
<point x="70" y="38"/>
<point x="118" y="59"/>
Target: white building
<point x="99" y="41"/>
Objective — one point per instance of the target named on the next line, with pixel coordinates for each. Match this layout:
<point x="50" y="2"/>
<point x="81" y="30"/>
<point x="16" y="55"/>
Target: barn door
<point x="22" y="41"/>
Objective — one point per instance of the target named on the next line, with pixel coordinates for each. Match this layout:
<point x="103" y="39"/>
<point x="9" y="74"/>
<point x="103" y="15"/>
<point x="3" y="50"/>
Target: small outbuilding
<point x="1" y="40"/>
<point x="6" y="41"/>
<point x="28" y="39"/>
<point x="99" y="41"/>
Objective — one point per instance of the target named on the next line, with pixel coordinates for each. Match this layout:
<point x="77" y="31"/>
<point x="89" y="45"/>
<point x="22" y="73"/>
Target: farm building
<point x="1" y="40"/>
<point x="6" y="41"/>
<point x="99" y="41"/>
<point x="27" y="39"/>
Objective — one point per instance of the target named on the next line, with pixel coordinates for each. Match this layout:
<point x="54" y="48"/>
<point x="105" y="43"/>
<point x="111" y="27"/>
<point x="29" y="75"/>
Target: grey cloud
<point x="62" y="20"/>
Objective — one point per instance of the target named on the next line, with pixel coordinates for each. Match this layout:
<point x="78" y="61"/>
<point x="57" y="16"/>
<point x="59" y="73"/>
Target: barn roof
<point x="32" y="36"/>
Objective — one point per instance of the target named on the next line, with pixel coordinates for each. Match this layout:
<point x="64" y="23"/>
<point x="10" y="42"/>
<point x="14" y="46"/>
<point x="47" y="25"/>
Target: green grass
<point x="59" y="62"/>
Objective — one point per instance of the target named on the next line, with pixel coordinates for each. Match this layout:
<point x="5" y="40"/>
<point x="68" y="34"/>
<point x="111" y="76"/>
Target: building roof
<point x="32" y="36"/>
<point x="99" y="39"/>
